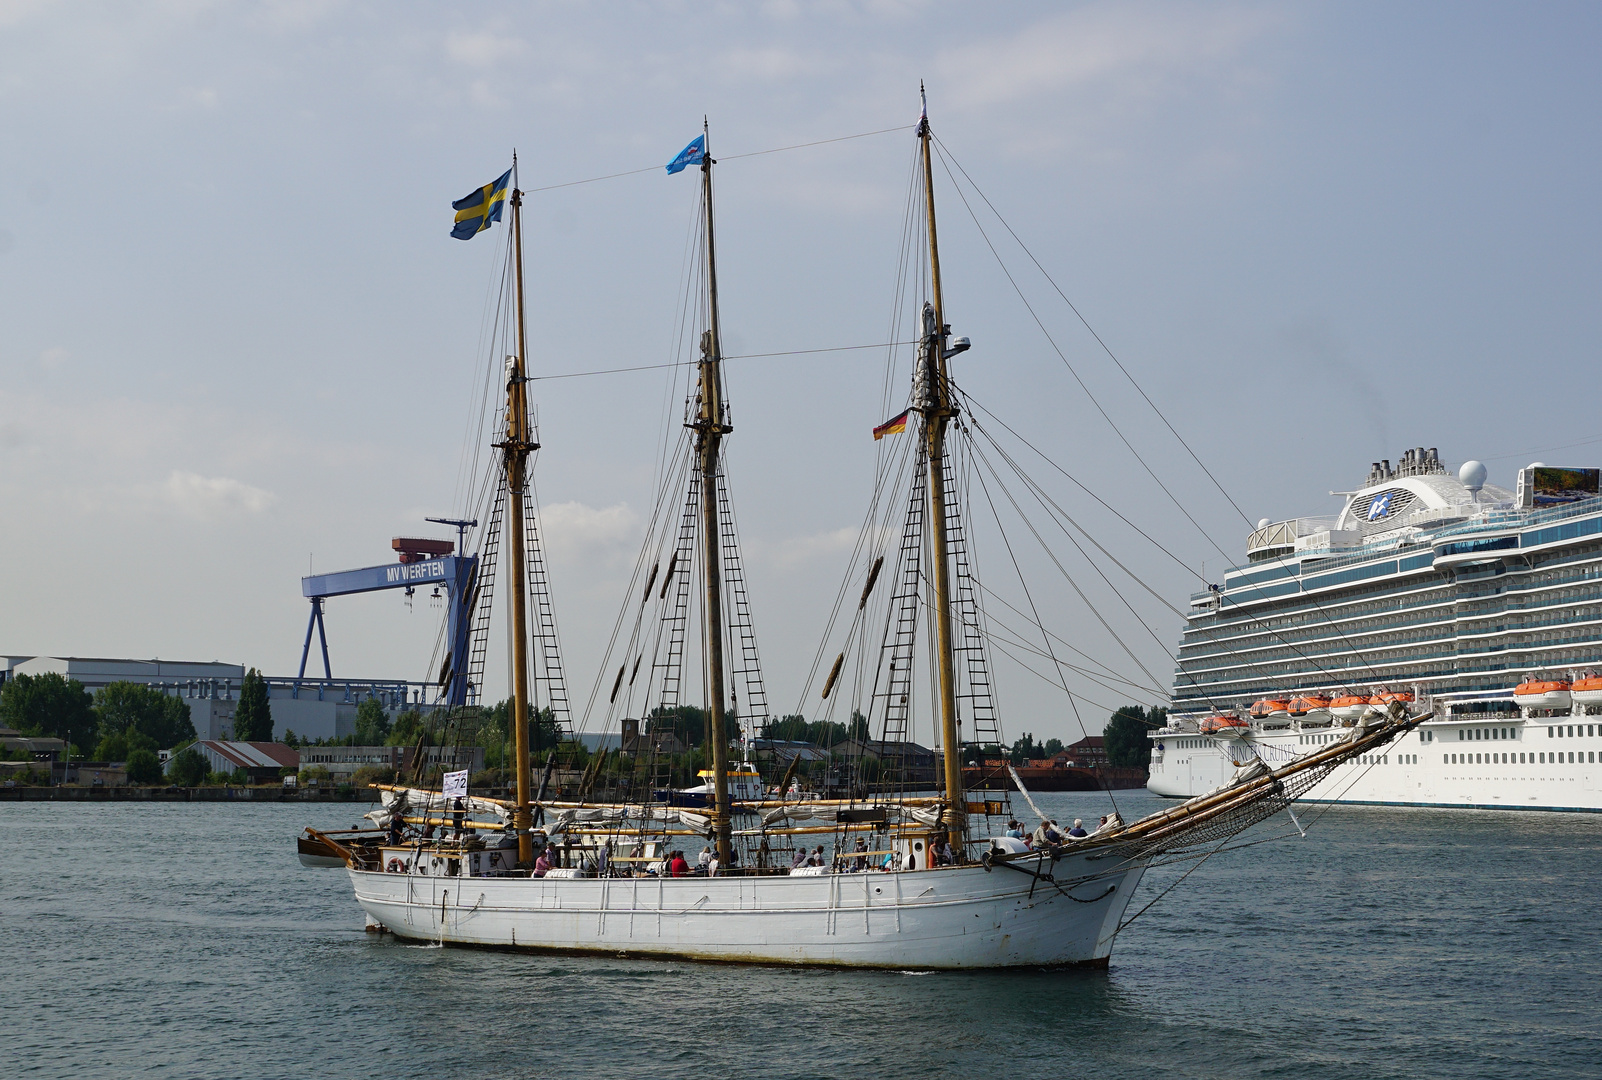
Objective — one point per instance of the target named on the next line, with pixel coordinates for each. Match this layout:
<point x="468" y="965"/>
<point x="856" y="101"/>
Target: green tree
<point x="1127" y="744"/>
<point x="859" y="725"/>
<point x="125" y="707"/>
<point x="688" y="722"/>
<point x="404" y="731"/>
<point x="373" y="774"/>
<point x="372" y="724"/>
<point x="1053" y="747"/>
<point x="143" y="767"/>
<point x="790" y="728"/>
<point x="825" y="733"/>
<point x="1026" y="749"/>
<point x="122" y="745"/>
<point x="545" y="733"/>
<point x="48" y="705"/>
<point x="253" y="719"/>
<point x="188" y="768"/>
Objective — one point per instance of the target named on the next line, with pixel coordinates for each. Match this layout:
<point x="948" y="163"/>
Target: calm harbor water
<point x="179" y="940"/>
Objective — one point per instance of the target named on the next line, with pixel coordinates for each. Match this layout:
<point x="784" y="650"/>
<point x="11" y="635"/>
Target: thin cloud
<point x="483" y="49"/>
<point x="1127" y="49"/>
<point x="214" y="497"/>
<point x="573" y="530"/>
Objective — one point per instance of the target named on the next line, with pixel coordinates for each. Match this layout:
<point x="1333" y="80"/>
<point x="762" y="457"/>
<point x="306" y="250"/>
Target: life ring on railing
<point x="395" y="866"/>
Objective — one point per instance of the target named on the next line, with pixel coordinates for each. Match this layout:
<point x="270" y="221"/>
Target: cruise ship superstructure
<point x="1482" y="604"/>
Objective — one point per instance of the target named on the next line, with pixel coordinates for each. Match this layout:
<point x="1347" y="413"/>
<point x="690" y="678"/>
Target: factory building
<point x="311" y="708"/>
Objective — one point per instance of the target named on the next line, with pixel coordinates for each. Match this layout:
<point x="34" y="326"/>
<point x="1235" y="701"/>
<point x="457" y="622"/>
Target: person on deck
<point x="1039" y="838"/>
<point x="542" y="865"/>
<point x="712" y="867"/>
<point x="458" y="813"/>
<point x="395" y="827"/>
<point x="1053" y="834"/>
<point x="1078" y="830"/>
<point x="860" y="862"/>
<point x="943" y="854"/>
<point x="1015" y="830"/>
<point x="800" y="859"/>
<point x="680" y="868"/>
<point x="703" y="860"/>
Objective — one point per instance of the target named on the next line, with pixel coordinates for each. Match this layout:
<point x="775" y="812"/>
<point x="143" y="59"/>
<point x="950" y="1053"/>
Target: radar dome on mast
<point x="1472" y="476"/>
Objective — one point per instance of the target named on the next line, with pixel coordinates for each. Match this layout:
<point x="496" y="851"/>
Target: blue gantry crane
<point x="436" y="563"/>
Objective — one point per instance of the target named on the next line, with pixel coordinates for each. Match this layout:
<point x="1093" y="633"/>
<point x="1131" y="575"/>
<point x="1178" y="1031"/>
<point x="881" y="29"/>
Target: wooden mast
<point x="937" y="413"/>
<point x="515" y="451"/>
<point x="710" y="428"/>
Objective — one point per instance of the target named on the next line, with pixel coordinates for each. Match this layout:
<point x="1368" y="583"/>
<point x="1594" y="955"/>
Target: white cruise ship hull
<point x="1535" y="764"/>
<point x="952" y="917"/>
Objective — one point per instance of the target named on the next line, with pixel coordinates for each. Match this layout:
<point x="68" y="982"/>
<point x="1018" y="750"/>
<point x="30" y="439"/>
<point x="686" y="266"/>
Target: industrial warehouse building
<point x="311" y="708"/>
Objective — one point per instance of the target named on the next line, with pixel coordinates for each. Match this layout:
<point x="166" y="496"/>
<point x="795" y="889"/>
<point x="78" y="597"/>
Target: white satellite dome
<point x="1472" y="475"/>
<point x="1262" y="523"/>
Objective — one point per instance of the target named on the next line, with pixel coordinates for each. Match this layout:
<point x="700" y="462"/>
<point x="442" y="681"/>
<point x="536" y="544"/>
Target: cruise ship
<point x="1480" y="604"/>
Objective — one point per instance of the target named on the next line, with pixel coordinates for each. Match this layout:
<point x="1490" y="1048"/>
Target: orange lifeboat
<point x="1543" y="693"/>
<point x="1349" y="706"/>
<point x="1224" y="725"/>
<point x="1587" y="690"/>
<point x="1269" y="707"/>
<point x="1314" y="705"/>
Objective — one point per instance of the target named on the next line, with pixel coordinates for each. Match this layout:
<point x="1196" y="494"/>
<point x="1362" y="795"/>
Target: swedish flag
<point x="475" y="212"/>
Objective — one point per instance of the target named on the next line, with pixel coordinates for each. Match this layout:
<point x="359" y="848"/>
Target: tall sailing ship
<point x="893" y="875"/>
<point x="1479" y="605"/>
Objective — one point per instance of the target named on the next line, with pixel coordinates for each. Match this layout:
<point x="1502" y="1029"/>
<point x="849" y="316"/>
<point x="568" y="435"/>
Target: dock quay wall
<point x="178" y="794"/>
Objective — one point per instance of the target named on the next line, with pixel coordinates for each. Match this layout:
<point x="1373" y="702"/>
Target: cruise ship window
<point x="1590" y="757"/>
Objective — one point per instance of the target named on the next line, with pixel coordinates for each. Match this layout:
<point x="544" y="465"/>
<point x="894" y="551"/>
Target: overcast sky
<point x="236" y="339"/>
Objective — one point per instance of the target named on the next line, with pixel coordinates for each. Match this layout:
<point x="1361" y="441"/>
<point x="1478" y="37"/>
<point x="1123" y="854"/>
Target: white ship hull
<point x="952" y="917"/>
<point x="1536" y="764"/>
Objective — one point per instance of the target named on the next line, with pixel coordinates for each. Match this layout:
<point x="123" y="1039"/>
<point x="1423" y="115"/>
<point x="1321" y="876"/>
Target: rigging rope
<point x="945" y="151"/>
<point x="721" y="158"/>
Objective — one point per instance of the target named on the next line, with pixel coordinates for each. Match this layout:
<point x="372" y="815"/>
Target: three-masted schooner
<point x="931" y="885"/>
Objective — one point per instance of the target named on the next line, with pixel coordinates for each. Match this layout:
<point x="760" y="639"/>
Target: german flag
<point x="894" y="426"/>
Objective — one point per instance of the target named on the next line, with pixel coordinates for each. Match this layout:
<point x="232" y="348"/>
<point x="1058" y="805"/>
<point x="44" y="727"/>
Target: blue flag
<point x="690" y="155"/>
<point x="475" y="212"/>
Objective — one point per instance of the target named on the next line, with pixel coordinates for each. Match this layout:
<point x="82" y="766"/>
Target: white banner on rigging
<point x="455" y="785"/>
